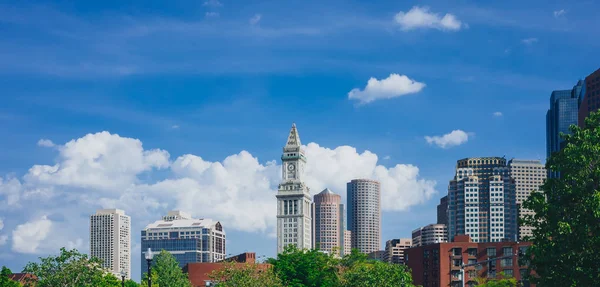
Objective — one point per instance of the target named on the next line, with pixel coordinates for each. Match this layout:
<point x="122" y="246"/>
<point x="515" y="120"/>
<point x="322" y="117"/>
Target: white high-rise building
<point x="110" y="240"/>
<point x="364" y="214"/>
<point x="529" y="175"/>
<point x="429" y="234"/>
<point x="294" y="221"/>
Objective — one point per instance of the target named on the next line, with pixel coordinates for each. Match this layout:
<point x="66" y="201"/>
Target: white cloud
<point x="454" y="138"/>
<point x="255" y="19"/>
<point x="212" y="3"/>
<point x="106" y="170"/>
<point x="421" y="17"/>
<point x="45" y="143"/>
<point x="529" y="41"/>
<point x="393" y="86"/>
<point x="175" y="127"/>
<point x="559" y="13"/>
<point x="1" y="224"/>
<point x="497" y="114"/>
<point x="26" y="238"/>
<point x="10" y="189"/>
<point x="211" y="14"/>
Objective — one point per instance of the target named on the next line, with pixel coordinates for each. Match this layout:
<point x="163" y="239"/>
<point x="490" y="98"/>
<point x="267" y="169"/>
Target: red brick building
<point x="198" y="273"/>
<point x="26" y="279"/>
<point x="591" y="99"/>
<point x="438" y="265"/>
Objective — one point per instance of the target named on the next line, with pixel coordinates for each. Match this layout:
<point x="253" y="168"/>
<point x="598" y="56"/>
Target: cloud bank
<point x="395" y="85"/>
<point x="454" y="138"/>
<point x="422" y="18"/>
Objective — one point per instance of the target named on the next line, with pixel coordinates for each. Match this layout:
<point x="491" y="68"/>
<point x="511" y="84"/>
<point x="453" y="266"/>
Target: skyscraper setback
<point x="482" y="200"/>
<point x="364" y="214"/>
<point x="110" y="240"/>
<point x="563" y="112"/>
<point x="329" y="222"/>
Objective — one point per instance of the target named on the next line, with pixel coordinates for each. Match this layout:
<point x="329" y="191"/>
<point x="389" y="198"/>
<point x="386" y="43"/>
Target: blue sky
<point x="214" y="78"/>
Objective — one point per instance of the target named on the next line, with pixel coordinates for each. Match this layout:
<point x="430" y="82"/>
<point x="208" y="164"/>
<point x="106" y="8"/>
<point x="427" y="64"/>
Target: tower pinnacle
<point x="293" y="138"/>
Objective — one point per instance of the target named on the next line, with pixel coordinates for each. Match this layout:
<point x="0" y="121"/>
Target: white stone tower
<point x="294" y="221"/>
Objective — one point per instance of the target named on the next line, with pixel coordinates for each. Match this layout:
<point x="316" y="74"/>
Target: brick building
<point x="198" y="273"/>
<point x="438" y="265"/>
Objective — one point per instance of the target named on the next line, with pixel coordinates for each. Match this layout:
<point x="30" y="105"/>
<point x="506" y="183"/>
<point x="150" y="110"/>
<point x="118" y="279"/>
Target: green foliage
<point x="248" y="275"/>
<point x="353" y="258"/>
<point x="566" y="223"/>
<point x="376" y="273"/>
<point x="305" y="268"/>
<point x="70" y="268"/>
<point x="131" y="283"/>
<point x="5" y="281"/>
<point x="154" y="279"/>
<point x="168" y="272"/>
<point x="503" y="281"/>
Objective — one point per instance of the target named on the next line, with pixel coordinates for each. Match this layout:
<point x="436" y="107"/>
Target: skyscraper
<point x="189" y="240"/>
<point x="329" y="222"/>
<point x="394" y="250"/>
<point x="442" y="211"/>
<point x="563" y="112"/>
<point x="110" y="240"/>
<point x="529" y="175"/>
<point x="347" y="242"/>
<point x="590" y="100"/>
<point x="364" y="214"/>
<point x="294" y="221"/>
<point x="482" y="201"/>
<point x="430" y="234"/>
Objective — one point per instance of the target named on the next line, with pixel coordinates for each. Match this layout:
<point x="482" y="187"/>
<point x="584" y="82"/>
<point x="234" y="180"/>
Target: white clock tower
<point x="294" y="221"/>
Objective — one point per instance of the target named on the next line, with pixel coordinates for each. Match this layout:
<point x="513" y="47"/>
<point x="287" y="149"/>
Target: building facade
<point x="329" y="222"/>
<point x="189" y="240"/>
<point x="529" y="175"/>
<point x="364" y="214"/>
<point x="378" y="255"/>
<point x="110" y="240"/>
<point x="294" y="221"/>
<point x="347" y="242"/>
<point x="430" y="234"/>
<point x="590" y="101"/>
<point x="482" y="201"/>
<point x="394" y="250"/>
<point x="563" y="112"/>
<point x="442" y="211"/>
<point x="438" y="265"/>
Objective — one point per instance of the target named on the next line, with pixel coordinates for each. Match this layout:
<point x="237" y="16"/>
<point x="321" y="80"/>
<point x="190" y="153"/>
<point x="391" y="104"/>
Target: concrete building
<point x="438" y="265"/>
<point x="189" y="240"/>
<point x="294" y="220"/>
<point x="442" y="211"/>
<point x="529" y="175"/>
<point x="328" y="219"/>
<point x="563" y="112"/>
<point x="482" y="201"/>
<point x="378" y="255"/>
<point x="394" y="250"/>
<point x="430" y="234"/>
<point x="364" y="214"/>
<point x="590" y="99"/>
<point x="110" y="240"/>
<point x="347" y="242"/>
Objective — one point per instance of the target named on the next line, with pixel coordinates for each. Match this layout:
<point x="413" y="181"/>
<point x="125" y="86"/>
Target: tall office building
<point x="430" y="234"/>
<point x="364" y="214"/>
<point x="442" y="211"/>
<point x="394" y="250"/>
<point x="590" y="101"/>
<point x="482" y="201"/>
<point x="189" y="240"/>
<point x="110" y="240"/>
<point x="563" y="112"/>
<point x="529" y="175"/>
<point x="329" y="222"/>
<point x="347" y="242"/>
<point x="294" y="221"/>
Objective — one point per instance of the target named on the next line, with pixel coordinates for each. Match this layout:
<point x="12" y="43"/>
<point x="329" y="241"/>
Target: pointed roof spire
<point x="293" y="138"/>
<point x="326" y="191"/>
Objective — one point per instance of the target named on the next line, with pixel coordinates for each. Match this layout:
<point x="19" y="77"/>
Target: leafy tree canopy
<point x="168" y="272"/>
<point x="376" y="273"/>
<point x="248" y="275"/>
<point x="5" y="281"/>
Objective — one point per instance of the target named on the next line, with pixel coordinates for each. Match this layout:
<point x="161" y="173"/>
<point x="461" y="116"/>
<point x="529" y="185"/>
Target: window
<point x="491" y="252"/>
<point x="506" y="262"/>
<point x="457" y="251"/>
<point x="472" y="251"/>
<point x="507" y="251"/>
<point x="457" y="262"/>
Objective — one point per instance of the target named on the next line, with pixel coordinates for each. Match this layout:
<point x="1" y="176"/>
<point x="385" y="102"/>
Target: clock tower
<point x="294" y="221"/>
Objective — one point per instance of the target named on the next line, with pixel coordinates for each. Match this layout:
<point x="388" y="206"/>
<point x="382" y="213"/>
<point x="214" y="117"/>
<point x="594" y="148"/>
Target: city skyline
<point x="186" y="106"/>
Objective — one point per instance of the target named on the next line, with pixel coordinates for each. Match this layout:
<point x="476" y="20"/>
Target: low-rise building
<point x="430" y="234"/>
<point x="394" y="250"/>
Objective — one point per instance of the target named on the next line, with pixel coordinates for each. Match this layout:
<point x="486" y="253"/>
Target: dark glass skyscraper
<point x="590" y="96"/>
<point x="563" y="112"/>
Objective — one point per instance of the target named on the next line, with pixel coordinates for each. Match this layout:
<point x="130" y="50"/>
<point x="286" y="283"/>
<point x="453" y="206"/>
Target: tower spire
<point x="293" y="138"/>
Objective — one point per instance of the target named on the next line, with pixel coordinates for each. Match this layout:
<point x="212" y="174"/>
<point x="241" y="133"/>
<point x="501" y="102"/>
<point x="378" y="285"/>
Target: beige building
<point x="364" y="214"/>
<point x="394" y="250"/>
<point x="110" y="240"/>
<point x="529" y="175"/>
<point x="328" y="222"/>
<point x="347" y="242"/>
<point x="430" y="234"/>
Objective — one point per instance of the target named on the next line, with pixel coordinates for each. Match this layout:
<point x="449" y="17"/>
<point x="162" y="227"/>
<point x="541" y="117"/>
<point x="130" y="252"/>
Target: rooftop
<point x="183" y="223"/>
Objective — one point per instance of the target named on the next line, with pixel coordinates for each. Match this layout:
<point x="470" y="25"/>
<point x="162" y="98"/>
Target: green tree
<point x="376" y="273"/>
<point x="131" y="283"/>
<point x="566" y="223"/>
<point x="168" y="272"/>
<point x="70" y="268"/>
<point x="305" y="268"/>
<point x="154" y="279"/>
<point x="5" y="281"/>
<point x="502" y="281"/>
<point x="247" y="275"/>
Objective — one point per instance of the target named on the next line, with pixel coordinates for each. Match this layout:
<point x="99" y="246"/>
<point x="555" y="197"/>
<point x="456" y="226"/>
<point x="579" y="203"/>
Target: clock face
<point x="291" y="166"/>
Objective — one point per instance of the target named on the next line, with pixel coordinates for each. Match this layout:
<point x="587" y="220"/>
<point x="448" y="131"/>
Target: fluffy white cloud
<point x="559" y="13"/>
<point x="393" y="86"/>
<point x="497" y="114"/>
<point x="10" y="190"/>
<point x="255" y="19"/>
<point x="529" y="41"/>
<point x="105" y="170"/>
<point x="27" y="237"/>
<point x="421" y="17"/>
<point x="454" y="138"/>
<point x="45" y="143"/>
